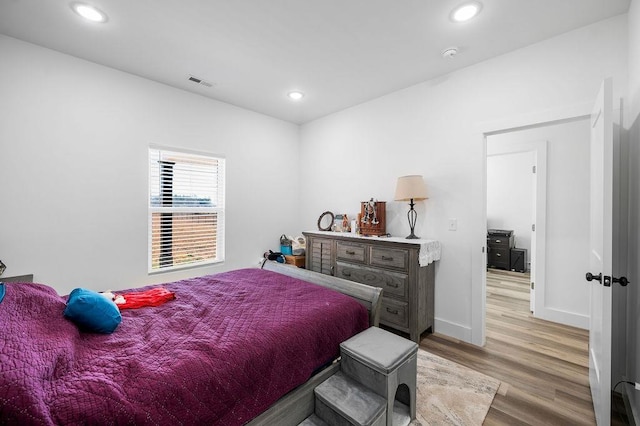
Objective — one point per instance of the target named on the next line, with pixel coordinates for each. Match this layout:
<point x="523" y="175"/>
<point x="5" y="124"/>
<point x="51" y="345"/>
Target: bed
<point x="236" y="347"/>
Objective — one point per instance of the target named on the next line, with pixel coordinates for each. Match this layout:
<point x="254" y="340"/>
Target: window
<point x="186" y="209"/>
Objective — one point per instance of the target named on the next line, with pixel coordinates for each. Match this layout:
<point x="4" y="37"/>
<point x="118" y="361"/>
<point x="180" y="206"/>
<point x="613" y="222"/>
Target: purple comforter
<point x="227" y="348"/>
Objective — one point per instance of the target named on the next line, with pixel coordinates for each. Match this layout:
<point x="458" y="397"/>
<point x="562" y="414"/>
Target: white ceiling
<point x="338" y="52"/>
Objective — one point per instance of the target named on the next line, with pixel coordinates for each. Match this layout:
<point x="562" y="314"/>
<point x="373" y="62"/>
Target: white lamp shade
<point x="411" y="187"/>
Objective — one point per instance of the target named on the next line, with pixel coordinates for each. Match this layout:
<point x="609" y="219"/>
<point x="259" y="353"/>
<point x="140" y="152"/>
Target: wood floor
<point x="543" y="366"/>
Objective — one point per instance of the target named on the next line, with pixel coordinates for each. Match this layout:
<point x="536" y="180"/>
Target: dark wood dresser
<point x="393" y="264"/>
<point x="499" y="245"/>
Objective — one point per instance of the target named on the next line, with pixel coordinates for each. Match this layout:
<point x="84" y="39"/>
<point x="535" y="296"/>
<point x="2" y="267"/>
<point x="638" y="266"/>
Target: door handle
<point x="623" y="281"/>
<point x="590" y="277"/>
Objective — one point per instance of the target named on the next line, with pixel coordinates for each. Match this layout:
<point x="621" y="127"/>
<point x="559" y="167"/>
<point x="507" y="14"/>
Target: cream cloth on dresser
<point x="429" y="249"/>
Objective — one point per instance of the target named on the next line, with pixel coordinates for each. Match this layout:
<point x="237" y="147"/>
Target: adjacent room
<point x="464" y="173"/>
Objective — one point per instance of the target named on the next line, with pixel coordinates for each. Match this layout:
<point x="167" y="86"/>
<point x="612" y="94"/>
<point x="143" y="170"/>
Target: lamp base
<point x="412" y="215"/>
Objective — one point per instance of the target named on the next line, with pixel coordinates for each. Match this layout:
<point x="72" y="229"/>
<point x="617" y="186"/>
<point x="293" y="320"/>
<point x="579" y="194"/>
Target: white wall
<point x="74" y="137"/>
<point x="435" y="129"/>
<point x="633" y="137"/>
<point x="73" y="169"/>
<point x="565" y="298"/>
<point x="510" y="196"/>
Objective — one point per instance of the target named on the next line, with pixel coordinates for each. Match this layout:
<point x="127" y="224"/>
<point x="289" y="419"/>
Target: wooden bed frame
<point x="299" y="404"/>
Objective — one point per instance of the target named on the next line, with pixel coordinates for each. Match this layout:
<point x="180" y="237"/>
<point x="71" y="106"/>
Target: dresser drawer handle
<point x="346" y="274"/>
<point x="498" y="254"/>
<point x="498" y="241"/>
<point x="351" y="252"/>
<point x="394" y="285"/>
<point x="387" y="258"/>
<point x="392" y="311"/>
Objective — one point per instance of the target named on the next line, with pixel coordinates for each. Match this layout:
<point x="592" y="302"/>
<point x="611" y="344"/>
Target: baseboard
<point x="451" y="329"/>
<point x="564" y="317"/>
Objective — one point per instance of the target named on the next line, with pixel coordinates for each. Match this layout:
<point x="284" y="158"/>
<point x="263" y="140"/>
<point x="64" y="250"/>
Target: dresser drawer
<point x="499" y="258"/>
<point x="350" y="252"/>
<point x="499" y="242"/>
<point x="389" y="258"/>
<point x="394" y="312"/>
<point x="393" y="283"/>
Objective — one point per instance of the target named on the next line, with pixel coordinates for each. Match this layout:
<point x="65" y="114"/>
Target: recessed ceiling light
<point x="295" y="95"/>
<point x="466" y="11"/>
<point x="450" y="52"/>
<point x="89" y="12"/>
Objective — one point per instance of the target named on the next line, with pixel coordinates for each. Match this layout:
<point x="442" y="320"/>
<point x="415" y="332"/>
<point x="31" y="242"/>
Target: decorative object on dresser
<point x="403" y="268"/>
<point x="499" y="245"/>
<point x="373" y="217"/>
<point x="411" y="188"/>
<point x="341" y="223"/>
<point x="325" y="221"/>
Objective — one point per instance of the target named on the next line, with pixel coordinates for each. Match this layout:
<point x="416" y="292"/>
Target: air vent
<point x="200" y="81"/>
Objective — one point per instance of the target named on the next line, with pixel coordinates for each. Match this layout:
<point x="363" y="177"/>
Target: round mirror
<point x="325" y="221"/>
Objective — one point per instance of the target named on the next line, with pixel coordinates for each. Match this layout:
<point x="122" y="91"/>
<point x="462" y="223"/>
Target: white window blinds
<point x="186" y="209"/>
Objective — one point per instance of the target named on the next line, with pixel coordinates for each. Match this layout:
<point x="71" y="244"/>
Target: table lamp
<point x="411" y="188"/>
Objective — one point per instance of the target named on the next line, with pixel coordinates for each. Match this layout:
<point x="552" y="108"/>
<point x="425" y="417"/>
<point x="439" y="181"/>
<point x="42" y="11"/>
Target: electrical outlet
<point x="453" y="224"/>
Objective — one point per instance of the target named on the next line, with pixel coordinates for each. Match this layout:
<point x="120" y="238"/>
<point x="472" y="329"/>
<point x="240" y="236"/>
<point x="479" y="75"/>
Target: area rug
<point x="450" y="393"/>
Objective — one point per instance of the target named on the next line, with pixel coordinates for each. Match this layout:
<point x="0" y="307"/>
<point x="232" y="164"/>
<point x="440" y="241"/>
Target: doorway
<point x="514" y="173"/>
<point x="560" y="244"/>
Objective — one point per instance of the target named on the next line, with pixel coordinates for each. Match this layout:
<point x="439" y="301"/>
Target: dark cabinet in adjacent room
<point x="499" y="245"/>
<point x="518" y="260"/>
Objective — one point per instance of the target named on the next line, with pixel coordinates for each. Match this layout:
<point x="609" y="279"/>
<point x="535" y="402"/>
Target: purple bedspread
<point x="227" y="348"/>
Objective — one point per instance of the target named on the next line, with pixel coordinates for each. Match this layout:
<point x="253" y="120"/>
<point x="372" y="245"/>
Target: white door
<point x="601" y="253"/>
<point x="538" y="149"/>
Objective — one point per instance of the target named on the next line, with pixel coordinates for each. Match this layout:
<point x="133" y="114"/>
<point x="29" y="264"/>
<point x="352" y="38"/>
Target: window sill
<point x="184" y="267"/>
